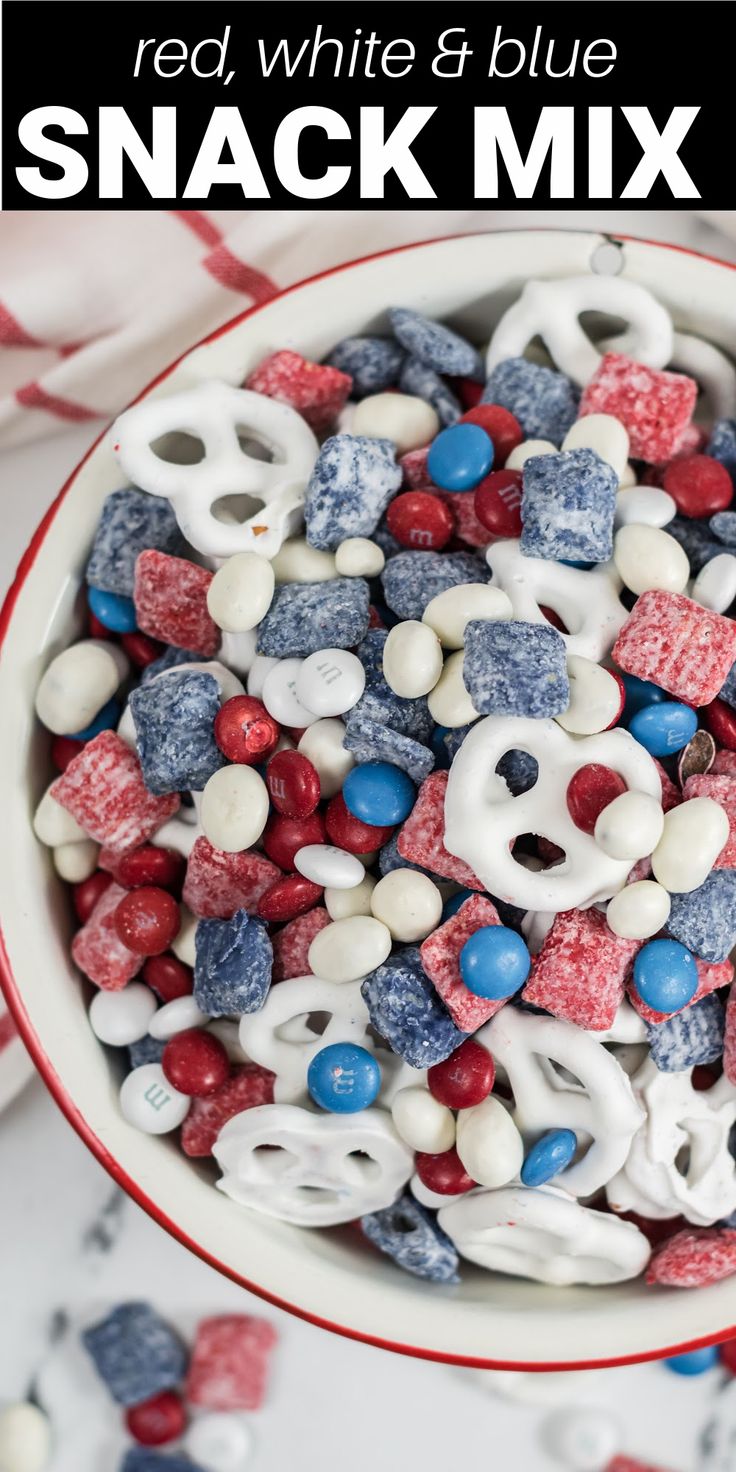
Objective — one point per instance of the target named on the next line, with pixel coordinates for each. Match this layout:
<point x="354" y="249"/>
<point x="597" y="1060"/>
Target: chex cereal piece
<point x="711" y="977"/>
<point x="724" y="764"/>
<point x="409" y="1234"/>
<point x="720" y="786"/>
<point x="373" y="363"/>
<point x="248" y="1086"/>
<point x="142" y="1459"/>
<point x="103" y="788"/>
<point x="410" y="717"/>
<point x="544" y="402"/>
<point x="671" y="795"/>
<point x="467" y="526"/>
<point x="98" y="950"/>
<point x="421" y="837"/>
<point x="131" y="522"/>
<point x="292" y="942"/>
<point x="424" y="383"/>
<point x="406" y="1010"/>
<point x="174" y="725"/>
<point x="655" y="407"/>
<point x="317" y="391"/>
<point x="232" y="973"/>
<point x="146" y="1050"/>
<point x="515" y="669"/>
<point x="171" y="602"/>
<point x="353" y="480"/>
<point x="372" y="741"/>
<point x="389" y="859"/>
<point x="411" y="580"/>
<point x="697" y="542"/>
<point x="436" y="345"/>
<point x="693" y="1258"/>
<point x="230" y="1363"/>
<point x="440" y="957"/>
<point x="217" y="884"/>
<point x="415" y="471"/>
<point x="305" y="617"/>
<point x="169" y="660"/>
<point x="567" y="506"/>
<point x="580" y="971"/>
<point x="136" y="1353"/>
<point x="723" y="523"/>
<point x="689" y="1038"/>
<point x="672" y="641"/>
<point x="729" y="1041"/>
<point x="722" y="444"/>
<point x="704" y="920"/>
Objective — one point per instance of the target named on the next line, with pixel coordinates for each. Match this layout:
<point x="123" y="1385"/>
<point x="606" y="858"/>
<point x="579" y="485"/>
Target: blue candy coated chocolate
<point x="306" y="617"/>
<point x="409" y="1234"/>
<point x="665" y="727"/>
<point x="232" y="972"/>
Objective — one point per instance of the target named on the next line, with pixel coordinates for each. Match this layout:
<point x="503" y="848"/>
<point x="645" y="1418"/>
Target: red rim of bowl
<point x="14" y="998"/>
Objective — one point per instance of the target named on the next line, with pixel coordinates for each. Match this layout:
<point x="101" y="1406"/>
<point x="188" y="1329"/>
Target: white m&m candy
<point x="219" y="1442"/>
<point x="240" y="593"/>
<point x="77" y="684"/>
<point x="715" y="585"/>
<point x="409" y="903"/>
<point x="149" y="1102"/>
<point x="324" y="864"/>
<point x="329" y="682"/>
<point x="279" y="694"/>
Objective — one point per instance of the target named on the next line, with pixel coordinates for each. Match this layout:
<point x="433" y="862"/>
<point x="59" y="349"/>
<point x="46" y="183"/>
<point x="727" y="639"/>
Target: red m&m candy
<point x="351" y="833"/>
<point x="420" y="520"/>
<point x="147" y="920"/>
<point x="291" y="896"/>
<point x="86" y="894"/>
<point x="500" y="425"/>
<point x="157" y="1421"/>
<point x="63" y="751"/>
<point x="444" y="1173"/>
<point x="699" y="485"/>
<point x="244" y="730"/>
<point x="498" y="503"/>
<point x="195" y="1062"/>
<point x="168" y="977"/>
<point x="161" y="867"/>
<point x="465" y="1078"/>
<point x="589" y="791"/>
<point x="141" y="649"/>
<point x="293" y="784"/>
<point x="283" y="837"/>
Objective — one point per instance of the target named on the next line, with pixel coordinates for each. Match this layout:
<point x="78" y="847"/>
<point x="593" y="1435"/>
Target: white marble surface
<point x="69" y="1240"/>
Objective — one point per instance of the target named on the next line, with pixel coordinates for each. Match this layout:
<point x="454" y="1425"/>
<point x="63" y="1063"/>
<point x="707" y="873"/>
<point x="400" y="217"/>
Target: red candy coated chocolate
<point x="162" y="867"/>
<point x="195" y="1062"/>
<point x="420" y="520"/>
<point x="498" y="503"/>
<point x="315" y="390"/>
<point x="288" y="897"/>
<point x="444" y="1173"/>
<point x="293" y="784"/>
<point x="283" y="837"/>
<point x="501" y="426"/>
<point x="168" y="977"/>
<point x="699" y="485"/>
<point x="86" y="894"/>
<point x="351" y="833"/>
<point x="249" y="1085"/>
<point x="170" y="598"/>
<point x="63" y="751"/>
<point x="147" y="920"/>
<point x="157" y="1421"/>
<point x="721" y="722"/>
<point x="141" y="650"/>
<point x="230" y="1361"/>
<point x="245" y="732"/>
<point x="465" y="1078"/>
<point x="591" y="790"/>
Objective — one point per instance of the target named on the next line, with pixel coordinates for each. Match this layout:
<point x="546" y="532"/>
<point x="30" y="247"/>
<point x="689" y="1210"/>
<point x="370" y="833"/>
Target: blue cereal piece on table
<point x="417" y="379"/>
<point x="567" y="506"/>
<point x="372" y="741"/>
<point x="515" y="669"/>
<point x="169" y="660"/>
<point x="145" y="1050"/>
<point x="232" y="972"/>
<point x="387" y="543"/>
<point x="436" y="345"/>
<point x="143" y="1459"/>
<point x="136" y="1353"/>
<point x="131" y="522"/>
<point x="409" y="1234"/>
<point x="411" y="580"/>
<point x="306" y="617"/>
<point x="696" y="539"/>
<point x="405" y="1009"/>
<point x="544" y="402"/>
<point x="723" y="526"/>
<point x="722" y="444"/>
<point x="688" y="1039"/>
<point x="372" y="362"/>
<point x="174" y="724"/>
<point x="705" y="919"/>
<point x="353" y="480"/>
<point x="410" y="717"/>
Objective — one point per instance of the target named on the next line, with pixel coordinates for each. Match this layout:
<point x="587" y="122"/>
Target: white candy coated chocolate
<point x="526" y="451"/>
<point x="408" y="903"/>
<point x="715" y="585"/>
<point x="647" y="557"/>
<point x="234" y="808"/>
<point x="323" y="863"/>
<point x="330" y="682"/>
<point x="258" y="673"/>
<point x="630" y="826"/>
<point x="450" y="612"/>
<point x="639" y="910"/>
<point x="149" y="1102"/>
<point x="322" y="745"/>
<point x="694" y="834"/>
<point x="219" y="1441"/>
<point x="297" y="562"/>
<point x="341" y="903"/>
<point x="604" y="434"/>
<point x="75" y="862"/>
<point x="238" y="651"/>
<point x="422" y="1122"/>
<point x="76" y="685"/>
<point x="595" y="698"/>
<point x="644" y="506"/>
<point x="279" y="694"/>
<point x="241" y="592"/>
<point x="25" y="1438"/>
<point x="122" y="1018"/>
<point x="183" y="944"/>
<point x="407" y="420"/>
<point x="53" y="825"/>
<point x="489" y="1144"/>
<point x="176" y="1016"/>
<point x="358" y="557"/>
<point x="412" y="659"/>
<point x="587" y="602"/>
<point x="280" y="1037"/>
<point x="449" y="702"/>
<point x="348" y="949"/>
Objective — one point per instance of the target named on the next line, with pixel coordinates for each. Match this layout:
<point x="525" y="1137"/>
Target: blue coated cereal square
<point x="688" y="1039"/>
<point x="232" y="972"/>
<point x="410" y="717"/>
<point x="411" y="580"/>
<point x="389" y="859"/>
<point x="372" y="362"/>
<point x="131" y="522"/>
<point x="515" y="669"/>
<point x="722" y="444"/>
<point x="705" y="919"/>
<point x="406" y="1010"/>
<point x="567" y="506"/>
<point x="353" y="480"/>
<point x="306" y="617"/>
<point x="409" y="1234"/>
<point x="145" y="1050"/>
<point x="544" y="402"/>
<point x="418" y="379"/>
<point x="372" y="741"/>
<point x="727" y="691"/>
<point x="696" y="539"/>
<point x="435" y="345"/>
<point x="142" y="1459"/>
<point x="136" y="1353"/>
<point x="723" y="526"/>
<point x="171" y="658"/>
<point x="174" y="725"/>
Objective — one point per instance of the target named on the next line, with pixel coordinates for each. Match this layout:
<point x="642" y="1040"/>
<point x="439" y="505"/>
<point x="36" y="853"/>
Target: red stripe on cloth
<point x="237" y="276"/>
<point x="12" y="335"/>
<point x="8" y="1030"/>
<point x="199" y="225"/>
<point x="32" y="396"/>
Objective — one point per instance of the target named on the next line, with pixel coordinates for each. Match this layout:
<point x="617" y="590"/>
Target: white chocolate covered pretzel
<point x="280" y="1037"/>
<point x="587" y="602"/>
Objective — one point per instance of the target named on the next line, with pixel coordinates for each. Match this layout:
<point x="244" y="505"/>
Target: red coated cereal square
<point x="291" y="944"/>
<point x="684" y="648"/>
<point x="315" y="390"/>
<point x="440" y="954"/>
<point x="170" y="598"/>
<point x="692" y="1258"/>
<point x="711" y="976"/>
<point x="467" y="526"/>
<point x="230" y="1363"/>
<point x="421" y="838"/>
<point x="655" y="407"/>
<point x="581" y="969"/>
<point x="248" y="1086"/>
<point x="723" y="791"/>
<point x="729" y="1041"/>
<point x="217" y="884"/>
<point x="103" y="789"/>
<point x="414" y="469"/>
<point x="724" y="764"/>
<point x="97" y="949"/>
<point x="671" y="795"/>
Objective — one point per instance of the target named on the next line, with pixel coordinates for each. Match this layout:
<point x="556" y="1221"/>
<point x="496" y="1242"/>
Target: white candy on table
<point x="581" y="1438"/>
<point x="449" y="613"/>
<point x="408" y="903"/>
<point x="341" y="903"/>
<point x="234" y="808"/>
<point x="25" y="1438"/>
<point x="348" y="949"/>
<point x="280" y="1036"/>
<point x="176" y="1016"/>
<point x="220" y="416"/>
<point x="75" y="862"/>
<point x="422" y="1122"/>
<point x="482" y="819"/>
<point x="330" y="682"/>
<point x="604" y="434"/>
<point x="644" y="506"/>
<point x="77" y="683"/>
<point x="359" y="557"/>
<point x="407" y="420"/>
<point x="150" y="1104"/>
<point x="715" y="585"/>
<point x="258" y="673"/>
<point x="241" y="592"/>
<point x="587" y="602"/>
<point x="279" y="694"/>
<point x="600" y="1108"/>
<point x="183" y="944"/>
<point x="545" y="1235"/>
<point x="122" y="1018"/>
<point x="219" y="1441"/>
<point x="333" y="1169"/>
<point x="325" y="864"/>
<point x="489" y="1144"/>
<point x="639" y="910"/>
<point x="412" y="659"/>
<point x="630" y="827"/>
<point x="595" y="698"/>
<point x="53" y="825"/>
<point x="526" y="451"/>
<point x="297" y="562"/>
<point x="647" y="557"/>
<point x="449" y="702"/>
<point x="693" y="835"/>
<point x="322" y="745"/>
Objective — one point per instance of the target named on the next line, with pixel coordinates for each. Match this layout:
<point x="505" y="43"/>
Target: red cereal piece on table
<point x="103" y="789"/>
<point x="729" y="1042"/>
<point x="98" y="950"/>
<point x="421" y="838"/>
<point x="171" y="602"/>
<point x="315" y="390"/>
<point x="682" y="647"/>
<point x="699" y="485"/>
<point x="229" y="1367"/>
<point x="290" y="896"/>
<point x="467" y="526"/>
<point x="501" y="426"/>
<point x="721" y="722"/>
<point x="440" y="955"/>
<point x="692" y="1258"/>
<point x="655" y="407"/>
<point x="711" y="976"/>
<point x="291" y="945"/>
<point x="248" y="1086"/>
<point x="419" y="519"/>
<point x="218" y="884"/>
<point x="580" y="972"/>
<point x="723" y="791"/>
<point x="414" y="469"/>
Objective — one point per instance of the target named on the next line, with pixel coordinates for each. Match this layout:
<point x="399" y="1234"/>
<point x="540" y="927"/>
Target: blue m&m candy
<point x="343" y="1078"/>
<point x="664" y="728"/>
<point x="113" y="610"/>
<point x="694" y="1363"/>
<point x="665" y="975"/>
<point x="379" y="793"/>
<point x="460" y="457"/>
<point x="494" y="962"/>
<point x="455" y="902"/>
<point x="638" y="694"/>
<point x="548" y="1157"/>
<point x="105" y="720"/>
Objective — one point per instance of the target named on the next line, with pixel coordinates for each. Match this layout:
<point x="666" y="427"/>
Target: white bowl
<point x="331" y="1278"/>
